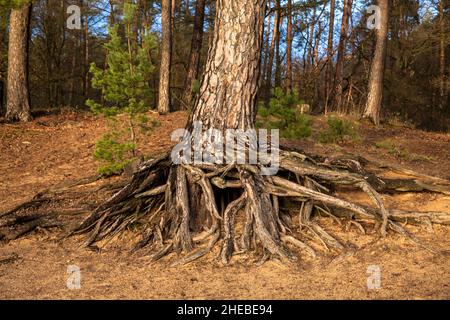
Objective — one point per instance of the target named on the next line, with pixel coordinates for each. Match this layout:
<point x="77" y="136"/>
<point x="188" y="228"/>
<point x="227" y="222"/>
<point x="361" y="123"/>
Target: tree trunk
<point x="194" y="56"/>
<point x="442" y="87"/>
<point x="375" y="96"/>
<point x="18" y="99"/>
<point x="276" y="32"/>
<point x="266" y="49"/>
<point x="339" y="74"/>
<point x="312" y="29"/>
<point x="278" y="52"/>
<point x="2" y="96"/>
<point x="289" y="39"/>
<point x="166" y="58"/>
<point x="227" y="97"/>
<point x="329" y="70"/>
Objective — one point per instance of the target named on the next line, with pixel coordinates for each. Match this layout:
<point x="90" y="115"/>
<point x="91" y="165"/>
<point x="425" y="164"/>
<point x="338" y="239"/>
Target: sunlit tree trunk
<point x="18" y="100"/>
<point x="375" y="96"/>
<point x="275" y="34"/>
<point x="227" y="97"/>
<point x="278" y="49"/>
<point x="339" y="73"/>
<point x="166" y="57"/>
<point x="289" y="39"/>
<point x="194" y="56"/>
<point x="442" y="90"/>
<point x="329" y="70"/>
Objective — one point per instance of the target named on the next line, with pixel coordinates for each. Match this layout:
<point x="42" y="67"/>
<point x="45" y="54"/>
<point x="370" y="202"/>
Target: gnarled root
<point x="189" y="209"/>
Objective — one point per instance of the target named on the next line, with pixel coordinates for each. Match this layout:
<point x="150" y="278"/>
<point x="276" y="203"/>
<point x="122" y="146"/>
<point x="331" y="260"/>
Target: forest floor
<point x="52" y="150"/>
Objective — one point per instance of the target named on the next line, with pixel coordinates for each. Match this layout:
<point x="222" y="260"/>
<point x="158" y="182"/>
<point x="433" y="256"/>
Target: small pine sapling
<point x="124" y="86"/>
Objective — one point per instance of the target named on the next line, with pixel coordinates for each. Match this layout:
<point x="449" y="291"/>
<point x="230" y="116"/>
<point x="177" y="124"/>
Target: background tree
<point x="18" y="102"/>
<point x="166" y="57"/>
<point x="375" y="97"/>
<point x="339" y="71"/>
<point x="308" y="50"/>
<point x="330" y="54"/>
<point x="194" y="55"/>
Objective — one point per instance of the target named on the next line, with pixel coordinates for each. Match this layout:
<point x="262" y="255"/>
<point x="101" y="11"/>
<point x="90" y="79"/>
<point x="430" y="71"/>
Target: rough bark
<point x="289" y="39"/>
<point x="194" y="55"/>
<point x="374" y="99"/>
<point x="166" y="58"/>
<point x="18" y="101"/>
<point x="329" y="69"/>
<point x="442" y="87"/>
<point x="227" y="97"/>
<point x="278" y="49"/>
<point x="339" y="72"/>
<point x="275" y="34"/>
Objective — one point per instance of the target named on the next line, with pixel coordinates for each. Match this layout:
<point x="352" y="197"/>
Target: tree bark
<point x="227" y="98"/>
<point x="289" y="38"/>
<point x="339" y="74"/>
<point x="278" y="52"/>
<point x="194" y="55"/>
<point x="166" y="58"/>
<point x="18" y="99"/>
<point x="276" y="32"/>
<point x="329" y="70"/>
<point x="375" y="96"/>
<point x="442" y="93"/>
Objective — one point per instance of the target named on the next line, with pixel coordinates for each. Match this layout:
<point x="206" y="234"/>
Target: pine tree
<point x="125" y="89"/>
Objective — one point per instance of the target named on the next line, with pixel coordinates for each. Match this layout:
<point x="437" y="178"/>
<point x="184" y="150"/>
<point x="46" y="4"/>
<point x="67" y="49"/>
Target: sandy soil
<point x="56" y="149"/>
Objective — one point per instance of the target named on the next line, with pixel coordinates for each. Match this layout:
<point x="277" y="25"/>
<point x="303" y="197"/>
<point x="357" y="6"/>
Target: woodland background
<point x="307" y="47"/>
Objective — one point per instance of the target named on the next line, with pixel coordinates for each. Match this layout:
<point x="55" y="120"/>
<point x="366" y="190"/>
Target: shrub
<point x="338" y="131"/>
<point x="282" y="113"/>
<point x="112" y="153"/>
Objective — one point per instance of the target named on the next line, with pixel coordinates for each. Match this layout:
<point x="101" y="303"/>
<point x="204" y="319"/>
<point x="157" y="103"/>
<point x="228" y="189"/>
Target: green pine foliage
<point x="338" y="131"/>
<point x="283" y="113"/>
<point x="124" y="86"/>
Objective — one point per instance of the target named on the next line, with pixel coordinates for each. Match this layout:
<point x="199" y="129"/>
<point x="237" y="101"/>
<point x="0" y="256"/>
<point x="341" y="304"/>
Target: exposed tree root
<point x="189" y="209"/>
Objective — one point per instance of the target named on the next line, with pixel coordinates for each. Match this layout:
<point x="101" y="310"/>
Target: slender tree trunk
<point x="442" y="93"/>
<point x="18" y="98"/>
<point x="86" y="55"/>
<point x="166" y="58"/>
<point x="289" y="38"/>
<point x="266" y="50"/>
<point x="173" y="12"/>
<point x="329" y="70"/>
<point x="275" y="34"/>
<point x="375" y="96"/>
<point x="278" y="49"/>
<point x="194" y="55"/>
<point x="312" y="29"/>
<point x="339" y="74"/>
<point x="72" y="73"/>
<point x="227" y="98"/>
<point x="2" y="96"/>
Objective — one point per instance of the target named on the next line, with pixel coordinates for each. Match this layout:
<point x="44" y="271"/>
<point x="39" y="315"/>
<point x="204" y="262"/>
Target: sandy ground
<point x="56" y="149"/>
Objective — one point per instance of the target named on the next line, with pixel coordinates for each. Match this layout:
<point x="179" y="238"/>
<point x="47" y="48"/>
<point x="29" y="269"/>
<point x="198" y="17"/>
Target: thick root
<point x="189" y="209"/>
